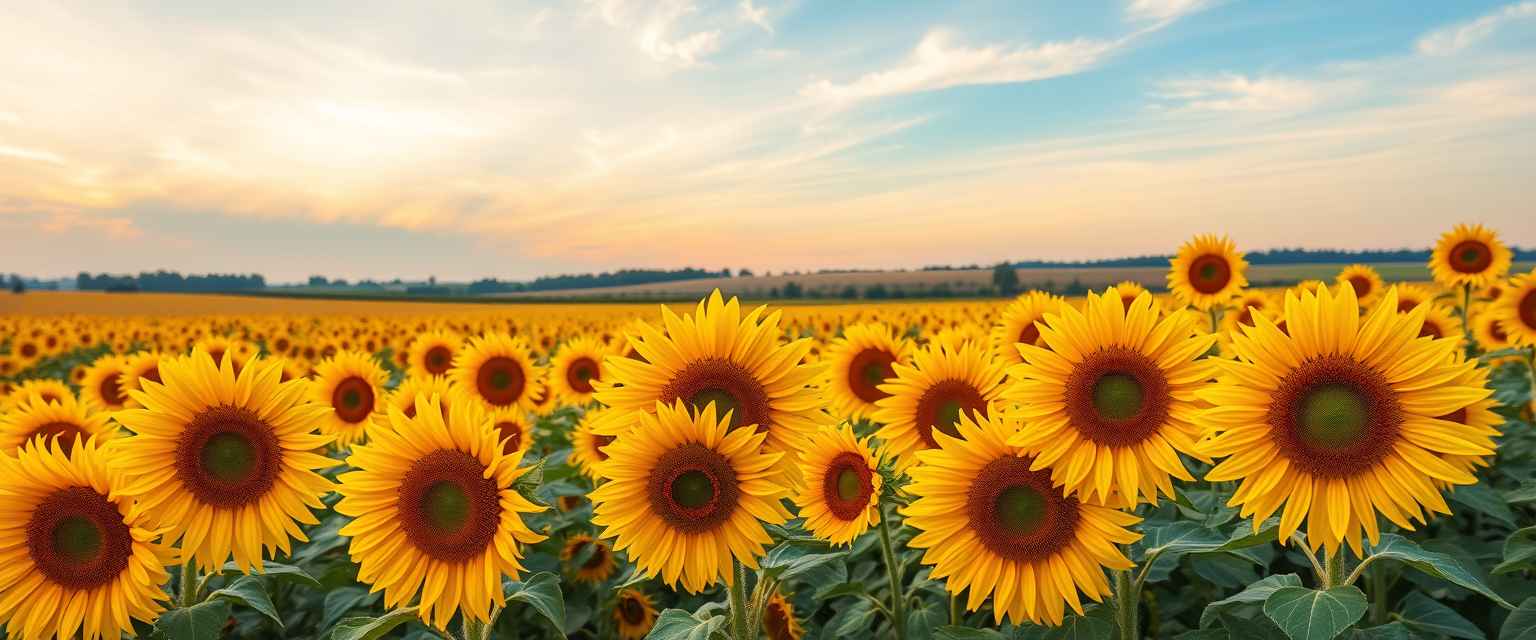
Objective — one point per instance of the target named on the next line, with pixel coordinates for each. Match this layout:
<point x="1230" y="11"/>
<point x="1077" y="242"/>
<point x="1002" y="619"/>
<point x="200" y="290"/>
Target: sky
<point x="492" y="139"/>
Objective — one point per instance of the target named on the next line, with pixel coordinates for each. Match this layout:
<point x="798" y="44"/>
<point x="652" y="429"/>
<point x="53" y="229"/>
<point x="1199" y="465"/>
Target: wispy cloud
<point x="1233" y="92"/>
<point x="756" y="15"/>
<point x="1457" y="37"/>
<point x="30" y="154"/>
<point x="1163" y="10"/>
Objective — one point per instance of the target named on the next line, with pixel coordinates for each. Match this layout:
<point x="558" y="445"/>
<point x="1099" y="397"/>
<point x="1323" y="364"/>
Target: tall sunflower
<point x="841" y="498"/>
<point x="1340" y="419"/>
<point x="1469" y="255"/>
<point x="65" y="421"/>
<point x="81" y="560"/>
<point x="1016" y="323"/>
<point x="512" y="430"/>
<point x="577" y="369"/>
<point x="686" y="494"/>
<point x="1207" y="271"/>
<point x="435" y="513"/>
<point x="351" y="385"/>
<point x="1366" y="282"/>
<point x="226" y="460"/>
<point x="588" y="560"/>
<point x="1516" y="309"/>
<point x="930" y="394"/>
<point x="498" y="371"/>
<point x="587" y="446"/>
<point x="991" y="522"/>
<point x="634" y="614"/>
<point x="858" y="363"/>
<point x="1477" y="418"/>
<point x="404" y="396"/>
<point x="432" y="353"/>
<point x="1110" y="405"/>
<point x="102" y="388"/>
<point x="141" y="366"/>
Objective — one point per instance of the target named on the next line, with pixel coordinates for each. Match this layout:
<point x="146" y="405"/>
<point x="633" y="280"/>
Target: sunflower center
<point x="1020" y="510"/>
<point x="869" y="369"/>
<point x="693" y="488"/>
<point x="228" y="457"/>
<point x="111" y="392"/>
<point x="353" y="400"/>
<point x="1117" y="397"/>
<point x="447" y="507"/>
<point x="632" y="611"/>
<point x="722" y="399"/>
<point x="28" y="350"/>
<point x="581" y="373"/>
<point x="438" y="360"/>
<point x="777" y="622"/>
<point x="598" y="443"/>
<point x="512" y="436"/>
<point x="1471" y="256"/>
<point x="500" y="381"/>
<point x="1528" y="309"/>
<point x="940" y="407"/>
<point x="1030" y="334"/>
<point x="847" y="486"/>
<point x="66" y="432"/>
<point x="1333" y="416"/>
<point x="1430" y="329"/>
<point x="1361" y="285"/>
<point x="1016" y="514"/>
<point x="77" y="538"/>
<point x="728" y="385"/>
<point x="1209" y="274"/>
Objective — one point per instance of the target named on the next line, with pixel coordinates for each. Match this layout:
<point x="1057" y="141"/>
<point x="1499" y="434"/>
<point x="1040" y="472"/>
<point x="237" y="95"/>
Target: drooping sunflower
<point x="1110" y="406"/>
<point x="432" y="353"/>
<point x="512" y="430"/>
<point x="1016" y="324"/>
<point x="81" y="560"/>
<point x="634" y="614"/>
<point x="686" y="494"/>
<point x="587" y="445"/>
<point x="577" y="368"/>
<point x="65" y="420"/>
<point x="351" y="385"/>
<point x="226" y="460"/>
<point x="1207" y="271"/>
<point x="858" y="363"/>
<point x="1366" y="282"/>
<point x="498" y="371"/>
<point x="717" y="356"/>
<point x="1516" y="309"/>
<point x="435" y="512"/>
<point x="594" y="566"/>
<point x="141" y="366"/>
<point x="1469" y="255"/>
<point x="991" y="522"/>
<point x="930" y="394"/>
<point x="779" y="621"/>
<point x="102" y="388"/>
<point x="841" y="498"/>
<point x="1340" y="419"/>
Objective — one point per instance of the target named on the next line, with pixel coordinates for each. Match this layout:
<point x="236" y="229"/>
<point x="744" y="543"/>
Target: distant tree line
<point x="169" y="281"/>
<point x="620" y="278"/>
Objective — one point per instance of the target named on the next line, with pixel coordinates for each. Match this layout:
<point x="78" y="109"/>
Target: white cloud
<point x="1238" y="93"/>
<point x="30" y="154"/>
<point x="1455" y="38"/>
<point x="1162" y="10"/>
<point x="686" y="51"/>
<point x="755" y="15"/>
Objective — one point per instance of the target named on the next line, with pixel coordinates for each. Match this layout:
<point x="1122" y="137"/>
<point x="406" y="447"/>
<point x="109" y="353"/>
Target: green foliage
<point x="1311" y="614"/>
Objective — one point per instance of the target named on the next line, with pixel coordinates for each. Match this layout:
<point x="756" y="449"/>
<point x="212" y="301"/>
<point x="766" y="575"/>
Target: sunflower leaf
<point x="965" y="633"/>
<point x="1428" y="617"/>
<point x="1521" y="623"/>
<point x="276" y="570"/>
<point x="1389" y="631"/>
<point x="542" y="592"/>
<point x="1310" y="614"/>
<point x="204" y="621"/>
<point x="676" y="624"/>
<point x="1519" y="552"/>
<point x="343" y="600"/>
<point x="1484" y="500"/>
<point x="372" y="628"/>
<point x="250" y="591"/>
<point x="792" y="559"/>
<point x="1255" y="593"/>
<point x="1439" y="565"/>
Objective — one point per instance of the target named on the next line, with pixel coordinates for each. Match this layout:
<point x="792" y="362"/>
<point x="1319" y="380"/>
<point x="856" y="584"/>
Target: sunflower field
<point x="1346" y="459"/>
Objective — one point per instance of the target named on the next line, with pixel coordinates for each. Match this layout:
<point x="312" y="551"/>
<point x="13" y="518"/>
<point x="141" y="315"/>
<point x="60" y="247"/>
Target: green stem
<point x="738" y="592"/>
<point x="474" y="629"/>
<point x="190" y="585"/>
<point x="954" y="609"/>
<point x="1466" y="312"/>
<point x="1333" y="570"/>
<point x="893" y="573"/>
<point x="1127" y="605"/>
<point x="1379" y="593"/>
<point x="1215" y="319"/>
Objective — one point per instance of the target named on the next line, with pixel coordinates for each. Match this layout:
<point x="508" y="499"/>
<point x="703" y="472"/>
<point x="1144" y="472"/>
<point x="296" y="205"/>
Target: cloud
<point x="1162" y="10"/>
<point x="1452" y="39"/>
<point x="30" y="154"/>
<point x="115" y="227"/>
<point x="1233" y="92"/>
<point x="755" y="15"/>
<point x="687" y="51"/>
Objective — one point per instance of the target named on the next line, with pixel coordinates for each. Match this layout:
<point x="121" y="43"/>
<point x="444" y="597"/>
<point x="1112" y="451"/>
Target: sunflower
<point x="432" y="353"/>
<point x="42" y="389"/>
<point x="404" y="396"/>
<point x="351" y="385"/>
<point x="686" y="494"/>
<point x="1440" y="322"/>
<point x="841" y="498"/>
<point x="1477" y="418"/>
<point x="595" y="566"/>
<point x="779" y="621"/>
<point x="859" y="362"/>
<point x="990" y="521"/>
<point x="1412" y="295"/>
<point x="65" y="420"/>
<point x="434" y="512"/>
<point x="929" y="395"/>
<point x="512" y="430"/>
<point x="1489" y="331"/>
<point x="576" y="369"/>
<point x="1339" y="420"/>
<point x="717" y="357"/>
<point x="1366" y="282"/>
<point x="1110" y="406"/>
<point x="1244" y="306"/>
<point x="498" y="371"/>
<point x="141" y="366"/>
<point x="587" y="445"/>
<point x="1516" y="309"/>
<point x="102" y="388"/>
<point x="81" y="559"/>
<point x="1128" y="291"/>
<point x="239" y="351"/>
<point x="1016" y="323"/>
<point x="1207" y="271"/>
<point x="634" y="614"/>
<point x="1469" y="256"/>
<point x="226" y="460"/>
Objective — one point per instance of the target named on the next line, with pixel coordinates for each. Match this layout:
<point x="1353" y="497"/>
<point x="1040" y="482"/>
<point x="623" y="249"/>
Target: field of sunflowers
<point x="1347" y="459"/>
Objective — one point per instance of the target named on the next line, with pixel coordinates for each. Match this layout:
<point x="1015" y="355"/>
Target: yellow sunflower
<point x="1412" y="295"/>
<point x="989" y="521"/>
<point x="841" y="498"/>
<point x="686" y="494"/>
<point x="141" y="366"/>
<point x="1469" y="256"/>
<point x="1440" y="322"/>
<point x="404" y="396"/>
<point x="598" y="564"/>
<point x="435" y="513"/>
<point x="587" y="445"/>
<point x="1489" y="331"/>
<point x="432" y="353"/>
<point x="43" y="389"/>
<point x="779" y="622"/>
<point x="498" y="371"/>
<point x="858" y="363"/>
<point x="930" y="394"/>
<point x="1244" y="306"/>
<point x="226" y="460"/>
<point x="102" y="388"/>
<point x="65" y="420"/>
<point x="1516" y="309"/>
<point x="717" y="356"/>
<point x="351" y="385"/>
<point x="1366" y="282"/>
<point x="81" y="559"/>
<point x="577" y="368"/>
<point x="634" y="614"/>
<point x="512" y="430"/>
<point x="1128" y="290"/>
<point x="1339" y="420"/>
<point x="1207" y="271"/>
<point x="1477" y="418"/>
<point x="1016" y="324"/>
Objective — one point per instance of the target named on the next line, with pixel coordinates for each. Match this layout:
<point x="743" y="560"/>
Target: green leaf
<point x="1423" y="615"/>
<point x="965" y="633"/>
<point x="528" y="483"/>
<point x="1484" y="500"/>
<point x="1243" y="536"/>
<point x="840" y="590"/>
<point x="343" y="600"/>
<point x="676" y="624"/>
<point x="1165" y="544"/>
<point x="1521" y="623"/>
<point x="792" y="559"/>
<point x="1257" y="592"/>
<point x="372" y="628"/>
<point x="852" y="620"/>
<point x="1526" y="493"/>
<point x="1389" y="631"/>
<point x="1082" y="628"/>
<point x="276" y="570"/>
<point x="921" y="621"/>
<point x="203" y="621"/>
<point x="1439" y="565"/>
<point x="1309" y="614"/>
<point x="1519" y="552"/>
<point x="249" y="591"/>
<point x="542" y="592"/>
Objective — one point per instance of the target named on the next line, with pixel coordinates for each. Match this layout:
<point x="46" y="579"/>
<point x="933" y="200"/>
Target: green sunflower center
<point x="723" y="401"/>
<point x="849" y="486"/>
<point x="446" y="506"/>
<point x="229" y="457"/>
<point x="351" y="398"/>
<point x="693" y="489"/>
<point x="874" y="373"/>
<point x="1020" y="510"/>
<point x="1117" y="397"/>
<point x="948" y="416"/>
<point x="77" y="539"/>
<point x="1333" y="416"/>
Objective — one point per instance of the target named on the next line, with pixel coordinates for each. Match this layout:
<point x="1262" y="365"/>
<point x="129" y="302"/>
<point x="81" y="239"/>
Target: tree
<point x="1005" y="279"/>
<point x="792" y="290"/>
<point x="743" y="273"/>
<point x="17" y="286"/>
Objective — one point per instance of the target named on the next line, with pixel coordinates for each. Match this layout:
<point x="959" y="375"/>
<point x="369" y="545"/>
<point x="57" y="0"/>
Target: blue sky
<point x="512" y="140"/>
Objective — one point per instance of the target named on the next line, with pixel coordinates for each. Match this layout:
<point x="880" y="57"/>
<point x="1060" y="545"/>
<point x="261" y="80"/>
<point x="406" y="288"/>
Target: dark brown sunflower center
<point x="437" y="360"/>
<point x="728" y="385"/>
<point x="581" y="373"/>
<point x="511" y="436"/>
<point x="594" y="561"/>
<point x="847" y="486"/>
<point x="1333" y="416"/>
<point x="1017" y="514"/>
<point x="940" y="407"/>
<point x="1496" y="331"/>
<point x="111" y="391"/>
<point x="1209" y="274"/>
<point x="28" y="350"/>
<point x="228" y="457"/>
<point x="1431" y="329"/>
<point x="77" y="538"/>
<point x="1030" y="334"/>
<point x="1117" y="397"/>
<point x="448" y="509"/>
<point x="501" y="381"/>
<point x="693" y="488"/>
<point x="1362" y="285"/>
<point x="1471" y="256"/>
<point x="777" y="624"/>
<point x="353" y="400"/>
<point x="598" y="442"/>
<point x="66" y="432"/>
<point x="632" y="610"/>
<point x="868" y="370"/>
<point x="1527" y="310"/>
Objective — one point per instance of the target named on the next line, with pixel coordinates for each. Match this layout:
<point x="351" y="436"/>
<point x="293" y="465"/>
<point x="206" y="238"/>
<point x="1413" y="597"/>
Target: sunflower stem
<point x="1333" y="570"/>
<point x="474" y="629"/>
<point x="1127" y="603"/>
<point x="738" y="593"/>
<point x="893" y="573"/>
<point x="190" y="584"/>
<point x="1466" y="312"/>
<point x="1379" y="591"/>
